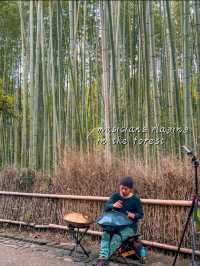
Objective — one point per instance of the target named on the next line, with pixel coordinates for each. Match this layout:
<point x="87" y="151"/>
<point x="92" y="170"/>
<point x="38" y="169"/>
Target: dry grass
<point x="89" y="174"/>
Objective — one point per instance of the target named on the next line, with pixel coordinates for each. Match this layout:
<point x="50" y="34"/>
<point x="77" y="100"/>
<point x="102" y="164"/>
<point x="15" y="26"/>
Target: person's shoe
<point x="102" y="262"/>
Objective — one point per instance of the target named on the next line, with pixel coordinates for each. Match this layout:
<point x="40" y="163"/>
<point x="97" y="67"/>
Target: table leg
<point x="78" y="237"/>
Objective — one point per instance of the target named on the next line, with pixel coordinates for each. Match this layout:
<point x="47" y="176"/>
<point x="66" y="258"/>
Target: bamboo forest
<point x="117" y="77"/>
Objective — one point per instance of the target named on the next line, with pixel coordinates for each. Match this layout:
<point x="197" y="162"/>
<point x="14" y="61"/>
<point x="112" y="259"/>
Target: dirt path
<point x="18" y="252"/>
<point x="14" y="253"/>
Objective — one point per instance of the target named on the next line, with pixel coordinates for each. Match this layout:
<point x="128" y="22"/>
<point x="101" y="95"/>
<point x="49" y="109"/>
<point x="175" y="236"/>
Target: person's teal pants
<point x="108" y="247"/>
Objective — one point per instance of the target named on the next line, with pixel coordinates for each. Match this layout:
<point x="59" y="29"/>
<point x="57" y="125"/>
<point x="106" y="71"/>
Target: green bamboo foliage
<point x="70" y="67"/>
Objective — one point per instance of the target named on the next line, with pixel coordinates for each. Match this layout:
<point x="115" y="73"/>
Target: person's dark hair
<point x="126" y="181"/>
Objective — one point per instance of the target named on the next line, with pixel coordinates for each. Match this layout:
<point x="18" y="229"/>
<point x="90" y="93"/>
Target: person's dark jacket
<point x="132" y="204"/>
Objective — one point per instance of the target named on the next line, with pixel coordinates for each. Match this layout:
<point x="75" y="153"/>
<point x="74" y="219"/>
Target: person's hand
<point x="131" y="215"/>
<point x="117" y="204"/>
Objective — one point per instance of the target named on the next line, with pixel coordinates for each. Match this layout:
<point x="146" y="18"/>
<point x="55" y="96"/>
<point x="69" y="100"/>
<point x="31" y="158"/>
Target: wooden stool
<point x="78" y="225"/>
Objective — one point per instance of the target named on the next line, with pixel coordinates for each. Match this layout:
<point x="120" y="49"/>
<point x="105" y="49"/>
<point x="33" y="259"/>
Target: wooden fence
<point x="162" y="225"/>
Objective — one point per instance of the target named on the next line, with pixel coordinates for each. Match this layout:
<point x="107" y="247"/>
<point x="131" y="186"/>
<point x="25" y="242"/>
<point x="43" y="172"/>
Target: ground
<point x="19" y="253"/>
<point x="44" y="249"/>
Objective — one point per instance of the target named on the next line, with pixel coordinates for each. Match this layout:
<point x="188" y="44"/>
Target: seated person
<point x="127" y="202"/>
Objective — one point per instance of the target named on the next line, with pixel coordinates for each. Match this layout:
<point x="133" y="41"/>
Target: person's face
<point x="124" y="191"/>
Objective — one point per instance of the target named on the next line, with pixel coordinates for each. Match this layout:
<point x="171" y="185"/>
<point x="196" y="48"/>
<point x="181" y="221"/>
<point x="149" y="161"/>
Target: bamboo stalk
<point x="105" y="76"/>
<point x="31" y="86"/>
<point x="53" y="90"/>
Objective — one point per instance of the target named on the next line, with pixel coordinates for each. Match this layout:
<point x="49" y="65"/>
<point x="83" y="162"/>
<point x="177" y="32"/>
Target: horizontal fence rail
<point x="161" y="227"/>
<point x="185" y="203"/>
